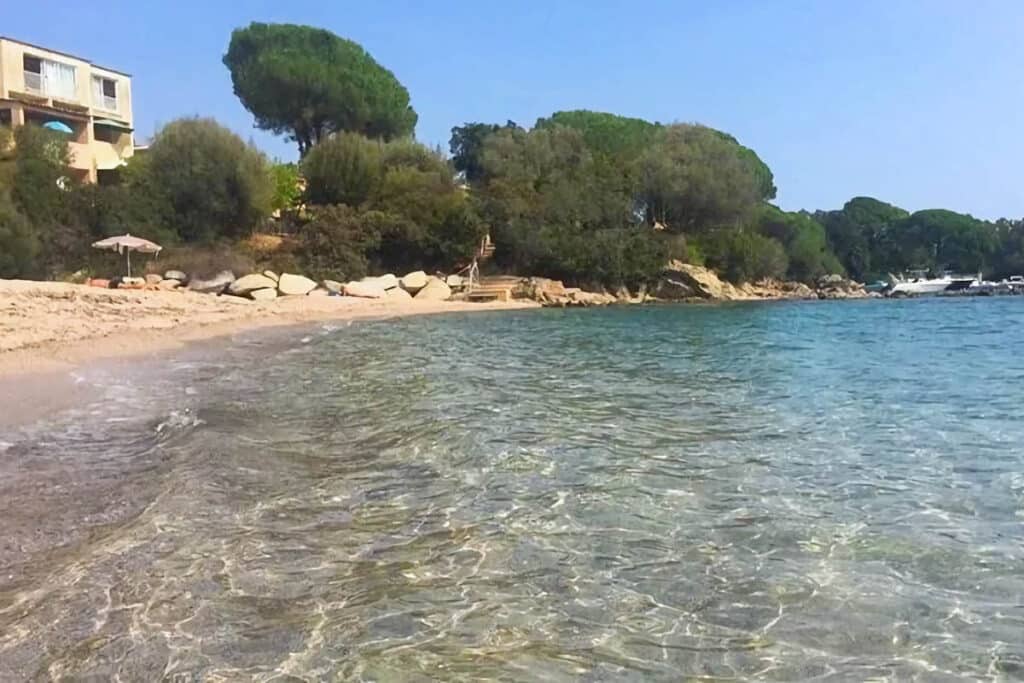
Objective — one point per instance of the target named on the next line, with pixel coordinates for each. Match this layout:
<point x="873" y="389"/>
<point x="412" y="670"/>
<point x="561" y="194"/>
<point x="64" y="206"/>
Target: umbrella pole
<point x="128" y="255"/>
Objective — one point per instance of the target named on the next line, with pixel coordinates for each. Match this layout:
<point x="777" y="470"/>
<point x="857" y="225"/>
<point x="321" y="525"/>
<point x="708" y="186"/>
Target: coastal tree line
<point x="588" y="197"/>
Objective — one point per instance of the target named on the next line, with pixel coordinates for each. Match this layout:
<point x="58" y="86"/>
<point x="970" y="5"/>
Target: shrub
<point x="344" y="169"/>
<point x="211" y="183"/>
<point x="744" y="256"/>
<point x="335" y="243"/>
<point x="19" y="243"/>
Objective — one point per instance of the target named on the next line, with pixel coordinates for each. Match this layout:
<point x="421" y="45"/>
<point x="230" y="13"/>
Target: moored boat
<point x="920" y="284"/>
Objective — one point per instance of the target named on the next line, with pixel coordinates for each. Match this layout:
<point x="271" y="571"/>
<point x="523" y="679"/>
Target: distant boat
<point x="919" y="284"/>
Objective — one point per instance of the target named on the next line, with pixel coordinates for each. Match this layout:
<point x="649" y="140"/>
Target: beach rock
<point x="364" y="290"/>
<point x="333" y="287"/>
<point x="542" y="290"/>
<point x="673" y="288"/>
<point x="169" y="284"/>
<point x="295" y="285"/>
<point x="248" y="283"/>
<point x="176" y="275"/>
<point x="272" y="275"/>
<point x="385" y="282"/>
<point x="319" y="292"/>
<point x="702" y="281"/>
<point x="153" y="279"/>
<point x="413" y="282"/>
<point x="398" y="294"/>
<point x="435" y="290"/>
<point x="455" y="281"/>
<point x="215" y="285"/>
<point x="833" y="279"/>
<point x="267" y="294"/>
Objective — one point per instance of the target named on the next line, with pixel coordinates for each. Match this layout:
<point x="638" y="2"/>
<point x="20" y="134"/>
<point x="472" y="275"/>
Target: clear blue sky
<point x="920" y="103"/>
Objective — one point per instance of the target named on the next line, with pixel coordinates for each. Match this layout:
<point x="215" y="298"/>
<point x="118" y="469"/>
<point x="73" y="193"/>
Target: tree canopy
<point x="308" y="83"/>
<point x="873" y="238"/>
<point x="693" y="179"/>
<point x="401" y="204"/>
<point x="210" y="182"/>
<point x="616" y="136"/>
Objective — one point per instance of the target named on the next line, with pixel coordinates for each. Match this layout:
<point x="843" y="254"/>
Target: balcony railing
<point x="33" y="82"/>
<point x="108" y="103"/>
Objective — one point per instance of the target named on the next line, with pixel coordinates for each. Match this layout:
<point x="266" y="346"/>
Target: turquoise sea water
<point x="794" y="491"/>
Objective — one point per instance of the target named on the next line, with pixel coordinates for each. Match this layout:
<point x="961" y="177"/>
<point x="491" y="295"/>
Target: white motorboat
<point x="919" y="284"/>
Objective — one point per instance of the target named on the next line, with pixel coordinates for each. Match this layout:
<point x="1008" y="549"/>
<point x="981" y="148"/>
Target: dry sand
<point x="48" y="328"/>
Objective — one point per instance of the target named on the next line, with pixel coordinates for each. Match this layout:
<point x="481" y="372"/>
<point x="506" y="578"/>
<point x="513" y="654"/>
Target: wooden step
<point x="490" y="294"/>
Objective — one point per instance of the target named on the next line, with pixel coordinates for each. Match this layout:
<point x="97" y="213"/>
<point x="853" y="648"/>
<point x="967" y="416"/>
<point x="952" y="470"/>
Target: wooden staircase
<point x="487" y="289"/>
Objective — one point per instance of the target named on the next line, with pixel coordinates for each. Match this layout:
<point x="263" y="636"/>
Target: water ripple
<point x="779" y="492"/>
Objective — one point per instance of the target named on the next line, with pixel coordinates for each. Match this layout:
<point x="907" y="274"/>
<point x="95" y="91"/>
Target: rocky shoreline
<point x="685" y="283"/>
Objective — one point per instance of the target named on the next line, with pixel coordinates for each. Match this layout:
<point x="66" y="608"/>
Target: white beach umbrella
<point x="126" y="244"/>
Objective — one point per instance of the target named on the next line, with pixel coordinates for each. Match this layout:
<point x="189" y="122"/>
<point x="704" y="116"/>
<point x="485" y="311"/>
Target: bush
<point x="744" y="256"/>
<point x="19" y="243"/>
<point x="335" y="243"/>
<point x="609" y="257"/>
<point x="210" y="183"/>
<point x="344" y="169"/>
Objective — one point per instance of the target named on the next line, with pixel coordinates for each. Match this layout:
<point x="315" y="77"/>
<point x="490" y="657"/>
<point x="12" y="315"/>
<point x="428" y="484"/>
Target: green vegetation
<point x="397" y="202"/>
<point x="208" y="182"/>
<point x="592" y="198"/>
<point x="873" y="238"/>
<point x="308" y="83"/>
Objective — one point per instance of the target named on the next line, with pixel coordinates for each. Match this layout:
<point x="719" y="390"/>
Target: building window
<point x="49" y="78"/>
<point x="104" y="93"/>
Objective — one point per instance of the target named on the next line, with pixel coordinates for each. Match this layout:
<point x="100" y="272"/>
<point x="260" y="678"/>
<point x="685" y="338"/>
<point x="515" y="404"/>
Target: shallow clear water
<point x="814" y="491"/>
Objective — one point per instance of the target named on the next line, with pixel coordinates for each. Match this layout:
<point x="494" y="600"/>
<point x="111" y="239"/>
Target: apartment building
<point x="91" y="104"/>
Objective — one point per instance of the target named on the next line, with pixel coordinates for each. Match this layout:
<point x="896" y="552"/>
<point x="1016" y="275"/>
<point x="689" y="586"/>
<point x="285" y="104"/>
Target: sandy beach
<point x="48" y="328"/>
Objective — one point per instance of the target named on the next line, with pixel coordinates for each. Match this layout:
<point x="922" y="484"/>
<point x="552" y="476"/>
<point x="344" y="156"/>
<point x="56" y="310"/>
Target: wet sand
<point x="47" y="329"/>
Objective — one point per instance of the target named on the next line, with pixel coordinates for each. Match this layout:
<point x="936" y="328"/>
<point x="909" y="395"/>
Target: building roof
<point x="66" y="54"/>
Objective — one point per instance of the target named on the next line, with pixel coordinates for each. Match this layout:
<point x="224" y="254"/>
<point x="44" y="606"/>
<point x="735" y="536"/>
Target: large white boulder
<point x="365" y="290"/>
<point x="435" y="290"/>
<point x="272" y="275"/>
<point x="169" y="284"/>
<point x="333" y="287"/>
<point x="455" y="281"/>
<point x="215" y="285"/>
<point x="294" y="285"/>
<point x="398" y="294"/>
<point x="249" y="283"/>
<point x="385" y="282"/>
<point x="268" y="294"/>
<point x="414" y="282"/>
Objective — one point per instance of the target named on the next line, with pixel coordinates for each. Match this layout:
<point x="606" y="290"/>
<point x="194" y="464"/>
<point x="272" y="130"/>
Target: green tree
<point x="287" y="187"/>
<point x="940" y="239"/>
<point x="861" y="235"/>
<point x="741" y="255"/>
<point x="694" y="179"/>
<point x="620" y="137"/>
<point x="558" y="209"/>
<point x="423" y="218"/>
<point x="308" y="83"/>
<point x="804" y="241"/>
<point x="209" y="182"/>
<point x="42" y="173"/>
<point x="345" y="169"/>
<point x="762" y="174"/>
<point x="467" y="147"/>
